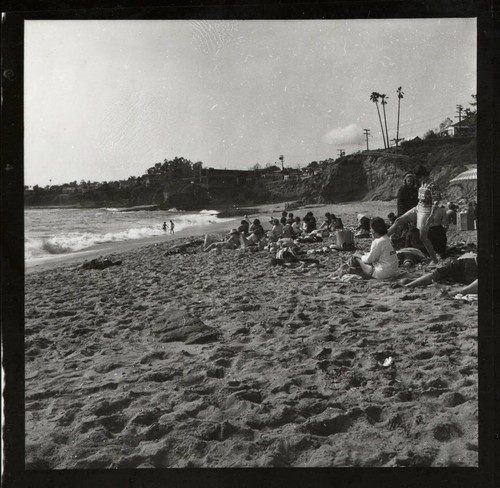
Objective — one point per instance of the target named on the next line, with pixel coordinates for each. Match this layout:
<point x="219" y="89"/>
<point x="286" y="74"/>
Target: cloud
<point x="346" y="136"/>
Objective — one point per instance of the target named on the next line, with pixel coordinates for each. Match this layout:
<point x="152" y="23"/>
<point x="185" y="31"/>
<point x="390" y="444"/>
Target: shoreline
<point x="261" y="212"/>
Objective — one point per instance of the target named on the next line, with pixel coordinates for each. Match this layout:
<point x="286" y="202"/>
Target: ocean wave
<point x="77" y="241"/>
<point x="70" y="242"/>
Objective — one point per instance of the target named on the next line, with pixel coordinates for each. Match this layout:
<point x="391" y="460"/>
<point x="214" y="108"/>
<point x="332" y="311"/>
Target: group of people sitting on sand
<point x="416" y="234"/>
<point x="421" y="228"/>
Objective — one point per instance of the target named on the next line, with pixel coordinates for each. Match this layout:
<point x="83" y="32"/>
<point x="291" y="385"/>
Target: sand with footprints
<point x="221" y="360"/>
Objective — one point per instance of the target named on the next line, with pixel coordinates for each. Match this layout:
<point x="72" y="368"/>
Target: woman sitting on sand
<point x="309" y="223"/>
<point x="382" y="261"/>
<point x="231" y="242"/>
<point x="325" y="225"/>
<point x="288" y="231"/>
<point x="336" y="223"/>
<point x="296" y="226"/>
<point x="276" y="232"/>
<point x="253" y="242"/>
<point x="257" y="229"/>
<point x="363" y="228"/>
<point x="244" y="228"/>
<point x="462" y="270"/>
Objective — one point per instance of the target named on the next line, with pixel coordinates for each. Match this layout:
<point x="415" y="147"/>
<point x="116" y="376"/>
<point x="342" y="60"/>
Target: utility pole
<point x="459" y="117"/>
<point x="282" y="158"/>
<point x="341" y="152"/>
<point x="367" y="133"/>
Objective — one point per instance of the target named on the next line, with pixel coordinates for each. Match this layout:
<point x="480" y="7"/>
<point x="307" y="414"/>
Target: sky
<point x="106" y="100"/>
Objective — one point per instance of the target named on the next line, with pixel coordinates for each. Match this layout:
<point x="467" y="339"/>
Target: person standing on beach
<point x="164" y="226"/>
<point x="407" y="193"/>
<point x="423" y="216"/>
<point x="171" y="227"/>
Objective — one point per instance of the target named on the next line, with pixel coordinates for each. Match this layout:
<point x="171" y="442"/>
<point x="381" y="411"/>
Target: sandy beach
<point x="221" y="360"/>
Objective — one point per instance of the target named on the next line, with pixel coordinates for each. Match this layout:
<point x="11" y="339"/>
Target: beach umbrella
<point x="467" y="176"/>
<point x="467" y="181"/>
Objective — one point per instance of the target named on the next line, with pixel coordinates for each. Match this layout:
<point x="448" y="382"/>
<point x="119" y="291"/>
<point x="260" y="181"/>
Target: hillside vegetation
<point x="377" y="175"/>
<point x="367" y="175"/>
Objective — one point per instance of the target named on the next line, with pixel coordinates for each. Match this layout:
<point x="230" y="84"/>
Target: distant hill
<point x="367" y="175"/>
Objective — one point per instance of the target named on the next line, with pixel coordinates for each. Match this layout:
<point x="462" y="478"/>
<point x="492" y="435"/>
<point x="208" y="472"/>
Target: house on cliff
<point x="211" y="178"/>
<point x="466" y="127"/>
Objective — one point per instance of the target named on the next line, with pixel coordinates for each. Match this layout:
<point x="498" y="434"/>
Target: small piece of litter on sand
<point x="350" y="277"/>
<point x="468" y="298"/>
<point x="387" y="362"/>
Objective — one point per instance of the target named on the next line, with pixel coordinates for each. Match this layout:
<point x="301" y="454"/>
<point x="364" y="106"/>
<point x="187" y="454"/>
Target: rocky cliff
<point x="367" y="175"/>
<point x="377" y="175"/>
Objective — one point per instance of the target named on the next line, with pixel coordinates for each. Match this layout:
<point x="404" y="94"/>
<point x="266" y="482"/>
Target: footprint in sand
<point x="441" y="318"/>
<point x="425" y="354"/>
<point x="344" y="358"/>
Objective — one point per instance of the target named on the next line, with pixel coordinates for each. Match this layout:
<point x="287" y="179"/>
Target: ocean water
<point x="55" y="231"/>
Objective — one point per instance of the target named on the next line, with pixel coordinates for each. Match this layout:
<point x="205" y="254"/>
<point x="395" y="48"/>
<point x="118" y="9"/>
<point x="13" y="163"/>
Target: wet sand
<point x="220" y="360"/>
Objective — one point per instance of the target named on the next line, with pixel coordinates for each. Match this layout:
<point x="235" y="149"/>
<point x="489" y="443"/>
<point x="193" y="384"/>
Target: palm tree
<point x="374" y="98"/>
<point x="384" y="98"/>
<point x="400" y="96"/>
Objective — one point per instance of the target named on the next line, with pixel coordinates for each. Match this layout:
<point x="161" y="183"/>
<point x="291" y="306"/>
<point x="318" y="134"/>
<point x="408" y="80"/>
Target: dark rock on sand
<point x="100" y="264"/>
<point x="179" y="326"/>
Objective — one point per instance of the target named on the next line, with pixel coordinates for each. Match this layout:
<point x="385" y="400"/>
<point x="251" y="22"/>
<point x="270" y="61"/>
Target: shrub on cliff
<point x="190" y="197"/>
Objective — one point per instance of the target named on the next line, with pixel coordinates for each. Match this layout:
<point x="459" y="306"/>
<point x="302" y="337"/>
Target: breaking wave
<point x="65" y="242"/>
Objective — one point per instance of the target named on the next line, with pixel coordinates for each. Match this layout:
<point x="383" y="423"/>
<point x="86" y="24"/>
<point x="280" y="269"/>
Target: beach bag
<point x="465" y="220"/>
<point x="345" y="239"/>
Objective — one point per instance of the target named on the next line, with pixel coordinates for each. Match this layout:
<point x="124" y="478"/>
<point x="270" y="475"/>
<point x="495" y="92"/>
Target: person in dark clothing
<point x="283" y="218"/>
<point x="257" y="229"/>
<point x="336" y="223"/>
<point x="407" y="194"/>
<point x="244" y="228"/>
<point x="462" y="270"/>
<point x="310" y="222"/>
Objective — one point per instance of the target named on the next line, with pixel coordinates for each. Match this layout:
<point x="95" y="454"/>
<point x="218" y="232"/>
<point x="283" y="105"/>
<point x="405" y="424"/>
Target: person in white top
<point x="276" y="232"/>
<point x="426" y="216"/>
<point x="296" y="226"/>
<point x="382" y="261"/>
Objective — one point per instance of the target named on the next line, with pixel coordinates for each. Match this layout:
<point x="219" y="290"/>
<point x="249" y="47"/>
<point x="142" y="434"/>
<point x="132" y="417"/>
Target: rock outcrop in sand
<point x="176" y="325"/>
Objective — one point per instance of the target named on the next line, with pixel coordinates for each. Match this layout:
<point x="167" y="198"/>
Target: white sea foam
<point x="123" y="228"/>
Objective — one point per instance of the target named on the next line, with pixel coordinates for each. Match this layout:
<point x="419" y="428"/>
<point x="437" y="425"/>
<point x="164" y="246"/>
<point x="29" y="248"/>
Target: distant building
<point x="463" y="128"/>
<point x="211" y="178"/>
